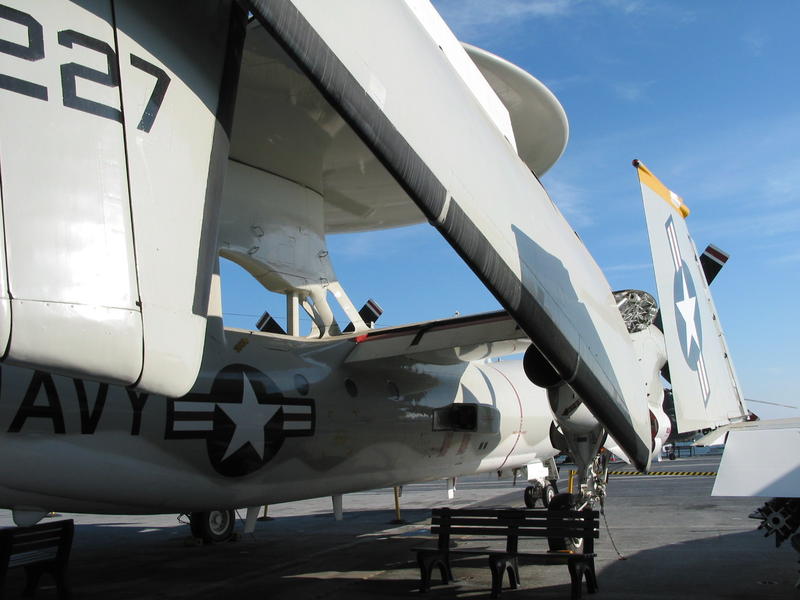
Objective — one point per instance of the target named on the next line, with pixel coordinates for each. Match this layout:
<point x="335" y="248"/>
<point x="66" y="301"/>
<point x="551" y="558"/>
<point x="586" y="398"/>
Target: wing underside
<point x="472" y="186"/>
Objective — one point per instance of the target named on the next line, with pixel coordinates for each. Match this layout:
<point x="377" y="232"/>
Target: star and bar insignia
<point x="687" y="313"/>
<point x="244" y="419"/>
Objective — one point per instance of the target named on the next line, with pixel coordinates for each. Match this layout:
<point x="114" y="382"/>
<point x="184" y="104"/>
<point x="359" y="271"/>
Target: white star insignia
<point x="686" y="308"/>
<point x="249" y="417"/>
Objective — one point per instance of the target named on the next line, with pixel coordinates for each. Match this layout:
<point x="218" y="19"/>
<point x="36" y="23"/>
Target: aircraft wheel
<point x="564" y="502"/>
<point x="548" y="493"/>
<point x="531" y="495"/>
<point x="213" y="525"/>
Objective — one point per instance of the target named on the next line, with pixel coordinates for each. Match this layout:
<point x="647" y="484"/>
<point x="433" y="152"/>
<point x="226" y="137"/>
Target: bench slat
<point x="47" y="541"/>
<point x="502" y="532"/>
<point x="506" y="532"/>
<point x="453" y="521"/>
<point x="530" y="513"/>
<point x="18" y="547"/>
<point x="49" y="532"/>
<point x="27" y="558"/>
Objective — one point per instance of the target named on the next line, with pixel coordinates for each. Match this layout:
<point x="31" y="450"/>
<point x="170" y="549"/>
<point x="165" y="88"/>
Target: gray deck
<point x="678" y="543"/>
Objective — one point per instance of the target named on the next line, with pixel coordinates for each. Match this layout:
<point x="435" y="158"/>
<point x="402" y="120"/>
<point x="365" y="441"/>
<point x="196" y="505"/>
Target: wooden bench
<point x="39" y="548"/>
<point x="512" y="524"/>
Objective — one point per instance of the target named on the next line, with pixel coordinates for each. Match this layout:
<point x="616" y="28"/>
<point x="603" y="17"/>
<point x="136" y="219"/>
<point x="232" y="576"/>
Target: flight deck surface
<point x="678" y="542"/>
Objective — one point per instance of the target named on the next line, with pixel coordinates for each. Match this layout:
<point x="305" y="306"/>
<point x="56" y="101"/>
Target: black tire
<point x="531" y="495"/>
<point x="213" y="526"/>
<point x="564" y="502"/>
<point x="549" y="491"/>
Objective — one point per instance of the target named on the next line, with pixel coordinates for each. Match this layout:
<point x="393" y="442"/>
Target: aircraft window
<point x="351" y="387"/>
<point x="301" y="384"/>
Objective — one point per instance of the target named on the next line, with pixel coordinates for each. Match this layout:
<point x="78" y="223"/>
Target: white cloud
<point x="631" y="91"/>
<point x="628" y="267"/>
<point x="782" y="184"/>
<point x="752" y="223"/>
<point x="626" y="6"/>
<point x="468" y="13"/>
<point x="786" y="259"/>
<point x="571" y="201"/>
<point x="382" y="243"/>
<point x="470" y="18"/>
<point x="562" y="83"/>
<point x="755" y="41"/>
<point x="740" y="179"/>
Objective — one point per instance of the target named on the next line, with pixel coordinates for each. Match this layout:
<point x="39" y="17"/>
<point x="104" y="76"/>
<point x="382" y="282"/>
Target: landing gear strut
<point x="213" y="525"/>
<point x="542" y="477"/>
<point x="535" y="492"/>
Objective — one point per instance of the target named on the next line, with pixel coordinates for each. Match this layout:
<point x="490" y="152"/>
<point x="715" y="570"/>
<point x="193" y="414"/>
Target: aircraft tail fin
<point x="704" y="383"/>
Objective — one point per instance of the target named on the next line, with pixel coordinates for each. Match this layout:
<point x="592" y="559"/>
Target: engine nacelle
<point x="661" y="429"/>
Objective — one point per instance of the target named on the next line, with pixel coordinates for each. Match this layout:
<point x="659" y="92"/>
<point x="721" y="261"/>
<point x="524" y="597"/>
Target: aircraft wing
<point x="451" y="151"/>
<point x="761" y="458"/>
<point x="446" y="341"/>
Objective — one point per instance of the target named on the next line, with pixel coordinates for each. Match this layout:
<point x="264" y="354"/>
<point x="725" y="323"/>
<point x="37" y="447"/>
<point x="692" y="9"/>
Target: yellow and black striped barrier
<point x="683" y="473"/>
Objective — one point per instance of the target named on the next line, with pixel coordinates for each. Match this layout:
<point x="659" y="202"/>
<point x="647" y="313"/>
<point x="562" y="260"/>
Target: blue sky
<point x="704" y="93"/>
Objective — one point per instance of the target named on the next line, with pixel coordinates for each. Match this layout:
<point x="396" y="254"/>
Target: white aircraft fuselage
<point x="271" y="419"/>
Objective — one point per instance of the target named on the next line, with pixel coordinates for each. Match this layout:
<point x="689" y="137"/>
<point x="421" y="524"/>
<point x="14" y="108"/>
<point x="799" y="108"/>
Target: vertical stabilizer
<point x="704" y="383"/>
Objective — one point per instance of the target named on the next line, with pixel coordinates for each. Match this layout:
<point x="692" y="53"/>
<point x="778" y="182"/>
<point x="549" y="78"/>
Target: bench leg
<point x="445" y="572"/>
<point x="427" y="563"/>
<point x="513" y="572"/>
<point x="591" y="577"/>
<point x="32" y="575"/>
<point x="500" y="564"/>
<point x="578" y="569"/>
<point x="497" y="564"/>
<point x="576" y="577"/>
<point x="62" y="583"/>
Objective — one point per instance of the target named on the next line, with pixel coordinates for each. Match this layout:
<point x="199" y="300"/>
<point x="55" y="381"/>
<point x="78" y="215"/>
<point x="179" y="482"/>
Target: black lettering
<point x="29" y="410"/>
<point x="71" y="71"/>
<point x="32" y="52"/>
<point x="89" y="419"/>
<point x="137" y="403"/>
<point x="159" y="91"/>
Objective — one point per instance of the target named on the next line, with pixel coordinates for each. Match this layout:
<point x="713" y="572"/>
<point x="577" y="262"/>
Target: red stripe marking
<point x="521" y="422"/>
<point x="717" y="253"/>
<point x="448" y="439"/>
<point x="464" y="444"/>
<point x="426" y="328"/>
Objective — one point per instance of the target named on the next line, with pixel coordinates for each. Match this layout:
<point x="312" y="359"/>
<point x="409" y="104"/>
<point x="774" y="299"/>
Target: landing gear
<point x="537" y="491"/>
<point x="213" y="525"/>
<point x="530" y="496"/>
<point x="548" y="494"/>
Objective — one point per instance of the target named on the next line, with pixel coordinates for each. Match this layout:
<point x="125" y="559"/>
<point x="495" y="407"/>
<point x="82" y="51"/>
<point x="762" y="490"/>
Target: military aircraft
<point x="140" y="141"/>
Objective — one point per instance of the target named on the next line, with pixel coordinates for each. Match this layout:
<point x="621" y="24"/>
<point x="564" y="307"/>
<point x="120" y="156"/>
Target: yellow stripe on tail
<point x="646" y="177"/>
